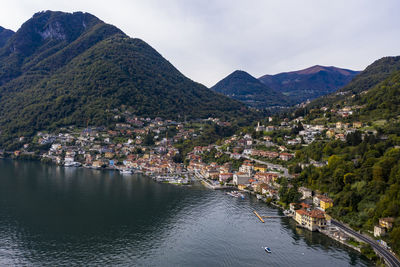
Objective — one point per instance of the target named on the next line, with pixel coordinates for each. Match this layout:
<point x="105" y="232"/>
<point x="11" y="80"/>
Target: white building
<point x="240" y="178"/>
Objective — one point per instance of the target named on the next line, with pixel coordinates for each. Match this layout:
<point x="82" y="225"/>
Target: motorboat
<point x="267" y="249"/>
<point x="125" y="171"/>
<point x="72" y="164"/>
<point x="236" y="194"/>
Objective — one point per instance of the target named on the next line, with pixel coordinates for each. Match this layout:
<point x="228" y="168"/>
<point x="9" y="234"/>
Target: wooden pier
<point x="267" y="217"/>
<point x="259" y="217"/>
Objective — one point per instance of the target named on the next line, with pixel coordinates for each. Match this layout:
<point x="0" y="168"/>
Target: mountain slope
<point x="62" y="69"/>
<point x="4" y="36"/>
<point x="242" y="86"/>
<point x="374" y="74"/>
<point x="309" y="83"/>
<point x="382" y="101"/>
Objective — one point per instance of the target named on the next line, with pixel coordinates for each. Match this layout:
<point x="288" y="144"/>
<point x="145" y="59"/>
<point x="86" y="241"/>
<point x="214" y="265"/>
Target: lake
<point x="56" y="216"/>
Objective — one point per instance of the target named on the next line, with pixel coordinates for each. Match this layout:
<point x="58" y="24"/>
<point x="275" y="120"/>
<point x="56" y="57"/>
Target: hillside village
<point x="260" y="161"/>
<point x="321" y="144"/>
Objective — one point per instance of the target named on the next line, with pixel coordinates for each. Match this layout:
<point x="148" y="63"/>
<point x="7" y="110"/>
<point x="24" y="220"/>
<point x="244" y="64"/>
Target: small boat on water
<point x="72" y="164"/>
<point x="125" y="171"/>
<point x="267" y="249"/>
<point x="236" y="194"/>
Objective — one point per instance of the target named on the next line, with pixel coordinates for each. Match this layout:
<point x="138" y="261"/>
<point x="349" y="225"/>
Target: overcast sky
<point x="207" y="40"/>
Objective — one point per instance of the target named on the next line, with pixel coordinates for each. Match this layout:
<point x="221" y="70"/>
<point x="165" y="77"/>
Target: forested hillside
<point x="309" y="83"/>
<point x="242" y="86"/>
<point x="69" y="69"/>
<point x="4" y="36"/>
<point x="362" y="176"/>
<point x="374" y="74"/>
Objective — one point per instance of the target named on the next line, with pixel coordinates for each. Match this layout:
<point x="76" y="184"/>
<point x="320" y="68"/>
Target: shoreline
<point x="331" y="234"/>
<point x="203" y="182"/>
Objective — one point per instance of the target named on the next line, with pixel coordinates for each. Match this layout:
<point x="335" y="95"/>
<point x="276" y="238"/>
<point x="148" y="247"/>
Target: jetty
<point x="259" y="217"/>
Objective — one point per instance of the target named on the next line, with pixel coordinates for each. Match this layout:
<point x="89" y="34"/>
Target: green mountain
<point x="70" y="69"/>
<point x="4" y="36"/>
<point x="374" y="74"/>
<point x="381" y="101"/>
<point x="242" y="86"/>
<point x="309" y="83"/>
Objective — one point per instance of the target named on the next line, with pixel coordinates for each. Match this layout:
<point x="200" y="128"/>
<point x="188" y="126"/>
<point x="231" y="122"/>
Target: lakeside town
<point x="256" y="162"/>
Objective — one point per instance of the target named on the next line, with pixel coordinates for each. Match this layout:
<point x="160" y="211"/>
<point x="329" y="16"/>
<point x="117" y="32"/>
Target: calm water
<point x="52" y="216"/>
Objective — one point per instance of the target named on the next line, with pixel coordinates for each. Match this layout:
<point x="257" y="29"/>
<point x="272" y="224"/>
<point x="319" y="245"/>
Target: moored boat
<point x="125" y="171"/>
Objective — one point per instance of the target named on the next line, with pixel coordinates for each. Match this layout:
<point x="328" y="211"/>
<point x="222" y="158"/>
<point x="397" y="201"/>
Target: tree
<point x="148" y="140"/>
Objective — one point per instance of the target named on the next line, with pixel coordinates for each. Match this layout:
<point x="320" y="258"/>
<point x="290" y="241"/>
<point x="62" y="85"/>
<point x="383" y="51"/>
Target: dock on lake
<point x="267" y="217"/>
<point x="259" y="217"/>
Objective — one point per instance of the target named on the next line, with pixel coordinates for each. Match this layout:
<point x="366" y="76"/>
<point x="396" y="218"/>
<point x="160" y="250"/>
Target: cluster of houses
<point x="343" y="112"/>
<point x="118" y="148"/>
<point x="249" y="176"/>
<point x="271" y="154"/>
<point x="311" y="133"/>
<point x="309" y="215"/>
<point x="96" y="147"/>
<point x="384" y="225"/>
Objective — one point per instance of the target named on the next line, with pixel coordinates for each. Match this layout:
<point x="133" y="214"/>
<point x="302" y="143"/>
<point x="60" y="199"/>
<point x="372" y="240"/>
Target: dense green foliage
<point x="4" y="36"/>
<point x="288" y="195"/>
<point x="211" y="133"/>
<point x="382" y="101"/>
<point x="309" y="83"/>
<point x="62" y="69"/>
<point x="362" y="176"/>
<point x="242" y="86"/>
<point x="374" y="74"/>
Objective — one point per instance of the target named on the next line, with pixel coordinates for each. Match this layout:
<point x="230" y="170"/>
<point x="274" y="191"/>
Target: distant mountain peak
<point x="318" y="68"/>
<point x="309" y="83"/>
<point x="242" y="86"/>
<point x="63" y="69"/>
<point x="51" y="28"/>
<point x="241" y="74"/>
<point x="313" y="69"/>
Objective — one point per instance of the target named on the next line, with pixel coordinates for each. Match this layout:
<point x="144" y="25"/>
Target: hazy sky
<point x="207" y="40"/>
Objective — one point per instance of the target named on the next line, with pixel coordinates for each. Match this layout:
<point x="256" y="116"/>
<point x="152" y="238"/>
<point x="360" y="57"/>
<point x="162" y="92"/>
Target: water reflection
<point x="67" y="216"/>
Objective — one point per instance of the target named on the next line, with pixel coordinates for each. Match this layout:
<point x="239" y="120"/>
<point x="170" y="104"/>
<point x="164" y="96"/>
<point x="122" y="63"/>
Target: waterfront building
<point x="312" y="220"/>
<point x="223" y="177"/>
<point x="242" y="186"/>
<point x="241" y="178"/>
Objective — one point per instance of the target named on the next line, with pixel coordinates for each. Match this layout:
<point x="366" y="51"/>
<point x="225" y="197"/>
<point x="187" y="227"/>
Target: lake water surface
<point x="55" y="216"/>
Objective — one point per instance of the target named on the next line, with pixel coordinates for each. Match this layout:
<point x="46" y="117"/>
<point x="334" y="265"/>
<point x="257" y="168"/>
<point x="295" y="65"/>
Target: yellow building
<point x="330" y="133"/>
<point x="261" y="168"/>
<point x="97" y="164"/>
<point x="325" y="203"/>
<point x="242" y="187"/>
<point x="109" y="155"/>
<point x="311" y="220"/>
<point x="386" y="222"/>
